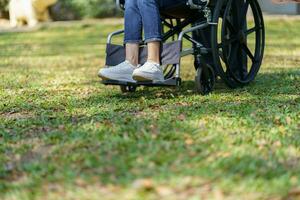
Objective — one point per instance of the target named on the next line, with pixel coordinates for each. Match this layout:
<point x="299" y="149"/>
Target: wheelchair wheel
<point x="128" y="88"/>
<point x="205" y="79"/>
<point x="238" y="40"/>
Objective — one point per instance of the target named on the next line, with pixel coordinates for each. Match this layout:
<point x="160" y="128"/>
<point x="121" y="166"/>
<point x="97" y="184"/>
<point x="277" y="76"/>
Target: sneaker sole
<point x="102" y="77"/>
<point x="141" y="78"/>
<point x="107" y="79"/>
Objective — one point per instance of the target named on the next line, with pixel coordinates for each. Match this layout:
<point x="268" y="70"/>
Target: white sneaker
<point x="120" y="72"/>
<point x="150" y="71"/>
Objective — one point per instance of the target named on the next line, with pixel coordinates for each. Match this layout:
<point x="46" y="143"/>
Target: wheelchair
<point x="227" y="40"/>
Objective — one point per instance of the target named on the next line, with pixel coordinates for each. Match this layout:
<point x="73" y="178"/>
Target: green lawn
<point x="63" y="135"/>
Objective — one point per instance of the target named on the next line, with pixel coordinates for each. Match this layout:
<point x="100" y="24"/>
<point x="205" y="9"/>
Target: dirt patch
<point x="13" y="115"/>
<point x="13" y="168"/>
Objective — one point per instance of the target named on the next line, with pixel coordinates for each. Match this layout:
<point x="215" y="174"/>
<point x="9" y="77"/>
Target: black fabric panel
<point x="115" y="54"/>
<point x="171" y="53"/>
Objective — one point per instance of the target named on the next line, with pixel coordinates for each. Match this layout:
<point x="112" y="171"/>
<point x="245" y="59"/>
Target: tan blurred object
<point x="29" y="11"/>
<point x="41" y="8"/>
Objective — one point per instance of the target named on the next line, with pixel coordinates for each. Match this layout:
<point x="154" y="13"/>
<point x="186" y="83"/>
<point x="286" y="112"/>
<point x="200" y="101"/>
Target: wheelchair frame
<point x="205" y="77"/>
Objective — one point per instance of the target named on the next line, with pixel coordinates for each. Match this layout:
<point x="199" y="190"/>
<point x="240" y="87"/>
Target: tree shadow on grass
<point x="121" y="145"/>
<point x="187" y="88"/>
<point x="119" y="154"/>
<point x="272" y="84"/>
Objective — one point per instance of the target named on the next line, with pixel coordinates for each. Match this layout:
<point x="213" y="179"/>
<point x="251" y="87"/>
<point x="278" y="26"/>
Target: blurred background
<point x="281" y="7"/>
<point x="63" y="10"/>
<point x="73" y="9"/>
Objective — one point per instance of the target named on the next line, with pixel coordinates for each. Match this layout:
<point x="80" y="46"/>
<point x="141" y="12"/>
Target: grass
<point x="65" y="136"/>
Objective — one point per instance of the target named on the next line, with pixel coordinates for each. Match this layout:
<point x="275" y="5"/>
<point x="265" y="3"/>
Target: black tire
<point x="205" y="79"/>
<point x="232" y="54"/>
<point x="128" y="88"/>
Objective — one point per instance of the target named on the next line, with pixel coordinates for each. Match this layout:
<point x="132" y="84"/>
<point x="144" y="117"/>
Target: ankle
<point x="153" y="61"/>
<point x="134" y="64"/>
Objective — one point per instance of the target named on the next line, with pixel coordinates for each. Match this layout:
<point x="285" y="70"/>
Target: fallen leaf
<point x="181" y="117"/>
<point x="143" y="184"/>
<point x="164" y="191"/>
<point x="189" y="142"/>
<point x="288" y="120"/>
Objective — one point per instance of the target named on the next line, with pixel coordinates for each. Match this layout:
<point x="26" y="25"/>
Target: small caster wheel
<point x="128" y="88"/>
<point x="205" y="80"/>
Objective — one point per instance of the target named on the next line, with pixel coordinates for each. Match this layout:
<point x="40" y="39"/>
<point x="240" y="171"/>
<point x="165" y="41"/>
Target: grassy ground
<point x="65" y="136"/>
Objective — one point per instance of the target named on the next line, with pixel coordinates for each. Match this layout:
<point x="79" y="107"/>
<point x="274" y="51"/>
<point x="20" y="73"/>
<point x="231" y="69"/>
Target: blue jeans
<point x="145" y="14"/>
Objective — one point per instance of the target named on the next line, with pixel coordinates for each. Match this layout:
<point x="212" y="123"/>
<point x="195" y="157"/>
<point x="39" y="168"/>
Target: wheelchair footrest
<point x="168" y="82"/>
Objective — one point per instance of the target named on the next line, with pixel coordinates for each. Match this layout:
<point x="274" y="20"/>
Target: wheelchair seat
<point x="185" y="9"/>
<point x="178" y="11"/>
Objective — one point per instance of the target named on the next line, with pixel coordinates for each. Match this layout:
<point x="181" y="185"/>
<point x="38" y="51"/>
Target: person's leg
<point x="133" y="31"/>
<point x="133" y="37"/>
<point x="151" y="70"/>
<point x="132" y="53"/>
<point x="154" y="52"/>
<point x="149" y="10"/>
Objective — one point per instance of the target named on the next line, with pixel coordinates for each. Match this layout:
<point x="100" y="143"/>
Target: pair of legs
<point x="132" y="52"/>
<point x="145" y="14"/>
<point x="141" y="15"/>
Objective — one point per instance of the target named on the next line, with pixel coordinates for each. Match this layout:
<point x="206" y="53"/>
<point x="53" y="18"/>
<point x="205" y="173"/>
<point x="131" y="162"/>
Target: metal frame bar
<point x="180" y="38"/>
<point x="111" y="35"/>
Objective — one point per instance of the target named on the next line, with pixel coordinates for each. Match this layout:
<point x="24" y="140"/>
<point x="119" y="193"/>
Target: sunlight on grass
<point x="64" y="135"/>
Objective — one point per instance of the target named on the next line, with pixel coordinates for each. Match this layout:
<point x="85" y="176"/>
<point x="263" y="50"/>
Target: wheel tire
<point x="224" y="60"/>
<point x="205" y="80"/>
<point x="128" y="88"/>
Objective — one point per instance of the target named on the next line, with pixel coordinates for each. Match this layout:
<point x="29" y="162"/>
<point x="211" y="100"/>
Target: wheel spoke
<point x="251" y="30"/>
<point x="228" y="42"/>
<point x="248" y="52"/>
<point x="221" y="54"/>
<point x="244" y="14"/>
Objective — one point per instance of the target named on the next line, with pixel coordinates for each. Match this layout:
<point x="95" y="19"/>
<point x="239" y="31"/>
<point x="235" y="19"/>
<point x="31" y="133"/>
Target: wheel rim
<point x="237" y="61"/>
